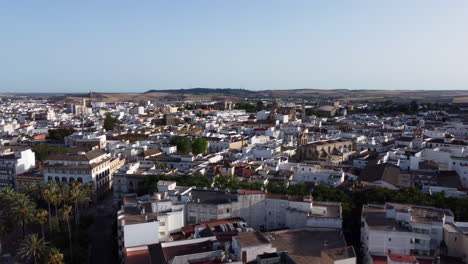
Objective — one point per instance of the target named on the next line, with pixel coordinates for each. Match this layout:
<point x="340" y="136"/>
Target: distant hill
<point x="204" y="91"/>
<point x="236" y="95"/>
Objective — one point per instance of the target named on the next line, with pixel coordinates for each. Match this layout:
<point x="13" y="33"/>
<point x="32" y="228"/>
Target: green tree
<point x="55" y="257"/>
<point x="65" y="215"/>
<point x="183" y="144"/>
<point x="79" y="194"/>
<point x="199" y="146"/>
<point x="33" y="247"/>
<point x="60" y="133"/>
<point x="226" y="182"/>
<point x="42" y="151"/>
<point x="41" y="218"/>
<point x="297" y="189"/>
<point x="197" y="179"/>
<point x="110" y="122"/>
<point x="277" y="187"/>
<point x="48" y="194"/>
<point x="260" y="106"/>
<point x="23" y="211"/>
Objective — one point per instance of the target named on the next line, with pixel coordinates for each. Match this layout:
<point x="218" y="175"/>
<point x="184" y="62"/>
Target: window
<point x="389" y="239"/>
<point x="227" y="210"/>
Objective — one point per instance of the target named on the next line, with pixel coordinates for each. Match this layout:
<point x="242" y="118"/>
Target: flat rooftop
<point x="305" y="245"/>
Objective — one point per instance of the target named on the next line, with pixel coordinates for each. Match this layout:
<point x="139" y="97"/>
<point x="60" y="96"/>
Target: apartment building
<point x="285" y="211"/>
<point x="206" y="205"/>
<point x="264" y="211"/>
<point x="460" y="165"/>
<point x="402" y="229"/>
<point x="147" y="220"/>
<point x="87" y="167"/>
<point x="14" y="161"/>
<point x="456" y="240"/>
<point x="308" y="173"/>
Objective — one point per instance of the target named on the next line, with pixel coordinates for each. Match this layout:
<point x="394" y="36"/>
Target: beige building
<point x="91" y="167"/>
<point x="330" y="151"/>
<point x="456" y="240"/>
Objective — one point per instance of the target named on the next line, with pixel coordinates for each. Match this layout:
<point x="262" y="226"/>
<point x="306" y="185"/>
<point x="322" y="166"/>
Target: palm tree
<point x="47" y="195"/>
<point x="3" y="231"/>
<point x="79" y="195"/>
<point x="23" y="211"/>
<point x="33" y="247"/>
<point x="56" y="200"/>
<point x="35" y="191"/>
<point x="55" y="257"/>
<point x="7" y="195"/>
<point x="41" y="218"/>
<point x="66" y="211"/>
<point x="64" y="191"/>
<point x="76" y="194"/>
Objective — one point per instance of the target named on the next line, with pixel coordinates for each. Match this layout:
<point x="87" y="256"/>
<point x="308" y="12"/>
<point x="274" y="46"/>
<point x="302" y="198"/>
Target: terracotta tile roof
<point x="402" y="258"/>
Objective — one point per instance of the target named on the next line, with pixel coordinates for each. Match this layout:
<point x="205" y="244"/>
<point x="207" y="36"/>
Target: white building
<point x="137" y="110"/>
<point x="14" y="161"/>
<point x="263" y="211"/>
<point x="456" y="240"/>
<point x="402" y="229"/>
<point x="92" y="167"/>
<point x="460" y="165"/>
<point x="147" y="220"/>
<point x="313" y="174"/>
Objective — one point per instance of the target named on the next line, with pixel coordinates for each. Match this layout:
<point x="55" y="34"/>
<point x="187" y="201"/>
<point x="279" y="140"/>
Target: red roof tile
<point x="402" y="258"/>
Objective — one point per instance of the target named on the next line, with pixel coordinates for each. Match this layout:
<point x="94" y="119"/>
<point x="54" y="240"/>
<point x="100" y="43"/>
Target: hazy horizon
<point x="132" y="47"/>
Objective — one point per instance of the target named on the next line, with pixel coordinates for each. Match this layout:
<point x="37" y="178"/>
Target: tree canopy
<point x="42" y="151"/>
<point x="110" y="121"/>
<point x="199" y="146"/>
<point x="60" y="133"/>
<point x="184" y="144"/>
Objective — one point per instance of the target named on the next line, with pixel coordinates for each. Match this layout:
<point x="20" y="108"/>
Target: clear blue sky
<point x="136" y="45"/>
